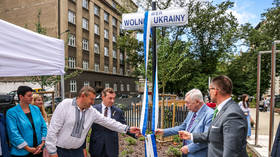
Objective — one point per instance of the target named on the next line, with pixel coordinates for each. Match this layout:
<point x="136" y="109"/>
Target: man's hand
<point x="159" y="132"/>
<point x="134" y="130"/>
<point x="184" y="135"/>
<point x="185" y="150"/>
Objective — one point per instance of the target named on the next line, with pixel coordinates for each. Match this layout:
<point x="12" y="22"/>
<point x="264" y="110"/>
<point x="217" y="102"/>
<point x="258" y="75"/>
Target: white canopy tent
<point x="26" y="53"/>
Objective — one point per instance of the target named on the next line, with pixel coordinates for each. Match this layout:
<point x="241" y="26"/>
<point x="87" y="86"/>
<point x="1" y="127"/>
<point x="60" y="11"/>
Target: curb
<point x="254" y="150"/>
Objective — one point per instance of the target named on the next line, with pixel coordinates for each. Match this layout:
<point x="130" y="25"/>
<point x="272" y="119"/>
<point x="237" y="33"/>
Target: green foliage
<point x="174" y="151"/>
<point x="126" y="152"/>
<point x="130" y="141"/>
<point x="142" y="138"/>
<point x="176" y="139"/>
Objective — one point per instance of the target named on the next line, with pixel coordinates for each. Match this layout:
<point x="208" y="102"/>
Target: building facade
<point x="90" y="29"/>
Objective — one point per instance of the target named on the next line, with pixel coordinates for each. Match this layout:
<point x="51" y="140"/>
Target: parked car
<point x="6" y="102"/>
<point x="14" y="94"/>
<point x="48" y="104"/>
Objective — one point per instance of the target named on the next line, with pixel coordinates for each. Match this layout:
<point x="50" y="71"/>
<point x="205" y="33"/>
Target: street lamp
<point x="66" y="31"/>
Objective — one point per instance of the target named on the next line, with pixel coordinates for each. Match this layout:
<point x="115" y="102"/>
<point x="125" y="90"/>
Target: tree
<point x="205" y="42"/>
<point x="243" y="69"/>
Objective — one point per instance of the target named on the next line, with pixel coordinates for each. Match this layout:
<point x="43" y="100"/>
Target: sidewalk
<point x="261" y="149"/>
<point x="263" y="138"/>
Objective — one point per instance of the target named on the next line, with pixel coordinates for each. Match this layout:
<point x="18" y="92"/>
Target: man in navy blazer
<point x="198" y="120"/>
<point x="104" y="142"/>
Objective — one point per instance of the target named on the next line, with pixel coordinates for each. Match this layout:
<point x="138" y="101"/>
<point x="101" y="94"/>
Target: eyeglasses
<point x="211" y="89"/>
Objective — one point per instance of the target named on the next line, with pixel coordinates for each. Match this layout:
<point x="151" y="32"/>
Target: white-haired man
<point x="197" y="121"/>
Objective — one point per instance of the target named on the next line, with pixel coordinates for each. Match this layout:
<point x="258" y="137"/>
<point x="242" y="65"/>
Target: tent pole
<point x="62" y="86"/>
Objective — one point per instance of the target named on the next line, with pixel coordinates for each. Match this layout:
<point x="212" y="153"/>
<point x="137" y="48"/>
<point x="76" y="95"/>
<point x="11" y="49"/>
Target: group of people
<point x="205" y="132"/>
<point x="28" y="135"/>
<point x="215" y="133"/>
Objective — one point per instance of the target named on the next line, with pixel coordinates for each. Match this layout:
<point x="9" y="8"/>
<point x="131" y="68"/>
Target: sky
<point x="249" y="11"/>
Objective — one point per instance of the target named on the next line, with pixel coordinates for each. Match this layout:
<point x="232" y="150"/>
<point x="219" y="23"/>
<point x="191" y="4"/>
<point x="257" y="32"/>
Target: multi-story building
<point x="90" y="29"/>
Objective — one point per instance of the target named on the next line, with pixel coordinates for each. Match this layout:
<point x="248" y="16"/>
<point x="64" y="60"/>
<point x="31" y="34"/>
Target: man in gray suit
<point x="227" y="134"/>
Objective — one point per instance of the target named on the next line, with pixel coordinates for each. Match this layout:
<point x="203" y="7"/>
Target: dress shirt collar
<point x="221" y="105"/>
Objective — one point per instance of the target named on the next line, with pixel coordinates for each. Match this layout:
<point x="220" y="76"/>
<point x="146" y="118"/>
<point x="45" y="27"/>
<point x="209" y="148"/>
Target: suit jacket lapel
<point x="22" y="115"/>
<point x="198" y="117"/>
<point x="113" y="112"/>
<point x="222" y="111"/>
<point x="99" y="108"/>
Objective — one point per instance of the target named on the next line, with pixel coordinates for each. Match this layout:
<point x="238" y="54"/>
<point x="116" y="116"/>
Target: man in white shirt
<point x="71" y="122"/>
<point x="226" y="137"/>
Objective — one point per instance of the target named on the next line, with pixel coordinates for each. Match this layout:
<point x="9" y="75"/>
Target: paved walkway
<point x="263" y="138"/>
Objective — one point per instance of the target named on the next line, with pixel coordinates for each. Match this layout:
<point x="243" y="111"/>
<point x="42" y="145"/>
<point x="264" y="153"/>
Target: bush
<point x="126" y="152"/>
<point x="142" y="138"/>
<point x="176" y="139"/>
<point x="173" y="151"/>
<point x="130" y="141"/>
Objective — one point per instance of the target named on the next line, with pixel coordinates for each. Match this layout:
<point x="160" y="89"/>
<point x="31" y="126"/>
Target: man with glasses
<point x="198" y="120"/>
<point x="227" y="134"/>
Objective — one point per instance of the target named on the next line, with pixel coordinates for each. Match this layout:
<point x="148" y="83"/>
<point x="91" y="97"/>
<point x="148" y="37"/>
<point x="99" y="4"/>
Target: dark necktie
<point x="189" y="127"/>
<point x="191" y="122"/>
<point x="106" y="112"/>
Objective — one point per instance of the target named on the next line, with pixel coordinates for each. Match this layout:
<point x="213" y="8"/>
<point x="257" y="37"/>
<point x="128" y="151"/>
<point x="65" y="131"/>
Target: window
<point x="71" y="17"/>
<point x="114" y="21"/>
<point x="121" y="71"/>
<point x="137" y="87"/>
<point x="85" y="4"/>
<point x="72" y="40"/>
<point x="85" y="44"/>
<point x="86" y="83"/>
<point x="71" y="62"/>
<point x="127" y="87"/>
<point x="114" y="38"/>
<point x="114" y="5"/>
<point x="73" y="86"/>
<point x="114" y="54"/>
<point x="96" y="29"/>
<point x="106" y="68"/>
<point x="85" y="65"/>
<point x="122" y="87"/>
<point x="96" y="10"/>
<point x="106" y="34"/>
<point x="96" y="67"/>
<point x="106" y="51"/>
<point x="114" y="70"/>
<point x="121" y="57"/>
<point x="107" y="85"/>
<point x="106" y="16"/>
<point x="96" y="48"/>
<point x="85" y="23"/>
<point x="115" y="87"/>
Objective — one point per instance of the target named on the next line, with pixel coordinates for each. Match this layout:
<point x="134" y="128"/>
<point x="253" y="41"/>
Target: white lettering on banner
<point x="161" y="18"/>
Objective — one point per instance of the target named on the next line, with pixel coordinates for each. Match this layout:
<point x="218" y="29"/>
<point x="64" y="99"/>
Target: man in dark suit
<point x="104" y="142"/>
<point x="226" y="137"/>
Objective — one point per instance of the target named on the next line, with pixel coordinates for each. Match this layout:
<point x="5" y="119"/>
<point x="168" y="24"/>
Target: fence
<point x="174" y="113"/>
